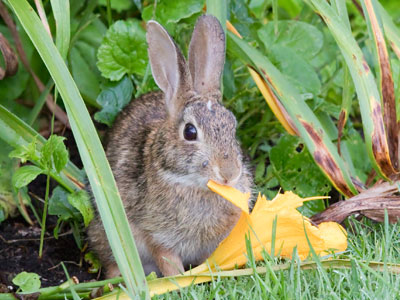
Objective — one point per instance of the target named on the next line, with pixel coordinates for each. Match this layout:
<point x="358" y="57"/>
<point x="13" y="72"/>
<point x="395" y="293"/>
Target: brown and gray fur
<point x="162" y="178"/>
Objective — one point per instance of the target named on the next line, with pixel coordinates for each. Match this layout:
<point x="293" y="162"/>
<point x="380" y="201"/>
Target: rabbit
<point x="163" y="149"/>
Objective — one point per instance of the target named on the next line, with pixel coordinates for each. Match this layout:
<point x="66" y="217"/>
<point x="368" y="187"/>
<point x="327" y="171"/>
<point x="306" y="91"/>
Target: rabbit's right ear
<point x="168" y="66"/>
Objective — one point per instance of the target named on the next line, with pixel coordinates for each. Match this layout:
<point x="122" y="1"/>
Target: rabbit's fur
<point x="162" y="178"/>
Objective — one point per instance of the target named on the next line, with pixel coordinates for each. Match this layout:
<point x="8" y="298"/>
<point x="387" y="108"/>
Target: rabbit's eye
<point x="190" y="132"/>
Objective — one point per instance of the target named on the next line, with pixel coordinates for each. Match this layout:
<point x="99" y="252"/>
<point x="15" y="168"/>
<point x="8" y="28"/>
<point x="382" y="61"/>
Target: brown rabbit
<point x="163" y="149"/>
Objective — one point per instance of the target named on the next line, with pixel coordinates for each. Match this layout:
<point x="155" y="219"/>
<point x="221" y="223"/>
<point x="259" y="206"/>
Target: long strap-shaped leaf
<point x="97" y="168"/>
<point x="367" y="91"/>
<point x="384" y="75"/>
<point x="307" y="124"/>
<point x="16" y="132"/>
<point x="391" y="30"/>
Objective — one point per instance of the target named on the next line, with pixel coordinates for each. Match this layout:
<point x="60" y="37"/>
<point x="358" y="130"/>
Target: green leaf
<point x="82" y="58"/>
<point x="17" y="133"/>
<point x="295" y="169"/>
<point x="86" y="79"/>
<point x="305" y="39"/>
<point x="113" y="99"/>
<point x="60" y="206"/>
<point x="123" y="50"/>
<point x="24" y="175"/>
<point x="93" y="261"/>
<point x="54" y="154"/>
<point x="171" y="11"/>
<point x="62" y="18"/>
<point x="25" y="152"/>
<point x="27" y="282"/>
<point x="81" y="201"/>
<point x="118" y="5"/>
<point x="296" y="70"/>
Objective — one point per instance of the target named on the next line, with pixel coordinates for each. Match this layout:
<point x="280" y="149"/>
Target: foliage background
<point x="107" y="58"/>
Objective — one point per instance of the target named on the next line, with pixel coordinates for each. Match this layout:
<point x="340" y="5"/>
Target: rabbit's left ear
<point x="207" y="55"/>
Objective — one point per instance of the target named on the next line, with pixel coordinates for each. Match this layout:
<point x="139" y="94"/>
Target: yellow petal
<point x="234" y="196"/>
<point x="290" y="231"/>
<point x="258" y="226"/>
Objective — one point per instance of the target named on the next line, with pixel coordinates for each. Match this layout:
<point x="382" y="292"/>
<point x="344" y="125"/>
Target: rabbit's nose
<point x="230" y="173"/>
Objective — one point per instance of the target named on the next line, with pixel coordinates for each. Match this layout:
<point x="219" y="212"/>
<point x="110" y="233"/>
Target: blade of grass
<point x="16" y="133"/>
<point x="61" y="16"/>
<point x="42" y="15"/>
<point x="308" y="125"/>
<point x="391" y="30"/>
<point x="167" y="284"/>
<point x="366" y="88"/>
<point x="219" y="10"/>
<point x="384" y="76"/>
<point x="98" y="170"/>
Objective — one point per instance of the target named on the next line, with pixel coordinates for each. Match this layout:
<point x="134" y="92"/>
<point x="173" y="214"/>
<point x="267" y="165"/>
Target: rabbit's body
<point x="162" y="172"/>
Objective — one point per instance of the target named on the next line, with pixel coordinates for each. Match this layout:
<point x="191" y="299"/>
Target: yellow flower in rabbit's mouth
<point x="291" y="230"/>
<point x="258" y="225"/>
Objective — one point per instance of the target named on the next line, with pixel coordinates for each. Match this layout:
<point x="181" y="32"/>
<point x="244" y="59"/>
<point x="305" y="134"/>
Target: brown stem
<point x="58" y="112"/>
<point x="370" y="203"/>
<point x="10" y="59"/>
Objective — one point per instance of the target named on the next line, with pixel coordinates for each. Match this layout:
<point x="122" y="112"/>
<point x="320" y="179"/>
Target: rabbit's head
<point x="198" y="140"/>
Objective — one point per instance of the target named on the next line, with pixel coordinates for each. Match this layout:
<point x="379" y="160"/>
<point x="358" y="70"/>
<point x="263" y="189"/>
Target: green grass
<point x="368" y="242"/>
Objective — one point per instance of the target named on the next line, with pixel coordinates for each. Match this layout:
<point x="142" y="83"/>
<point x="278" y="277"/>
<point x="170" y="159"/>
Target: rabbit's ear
<point x="207" y="54"/>
<point x="168" y="66"/>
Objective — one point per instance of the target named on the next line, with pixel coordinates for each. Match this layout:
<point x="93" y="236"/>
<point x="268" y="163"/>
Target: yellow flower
<point x="289" y="230"/>
<point x="258" y="225"/>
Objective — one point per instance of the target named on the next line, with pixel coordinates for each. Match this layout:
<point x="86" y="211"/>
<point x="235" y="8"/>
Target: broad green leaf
<point x="171" y="11"/>
<point x="24" y="175"/>
<point x="258" y="7"/>
<point x="60" y="206"/>
<point x="113" y="99"/>
<point x="81" y="201"/>
<point x="296" y="69"/>
<point x="123" y="50"/>
<point x="303" y="38"/>
<point x="295" y="168"/>
<point x="54" y="154"/>
<point x="118" y="5"/>
<point x="27" y="282"/>
<point x="86" y="80"/>
<point x="93" y="157"/>
<point x="292" y="7"/>
<point x="82" y="58"/>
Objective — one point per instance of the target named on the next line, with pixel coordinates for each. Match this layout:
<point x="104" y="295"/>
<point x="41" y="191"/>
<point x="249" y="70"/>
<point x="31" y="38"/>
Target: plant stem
<point x="109" y="16"/>
<point x="46" y="202"/>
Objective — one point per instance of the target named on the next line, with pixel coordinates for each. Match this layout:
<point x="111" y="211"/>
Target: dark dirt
<point x="19" y="243"/>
